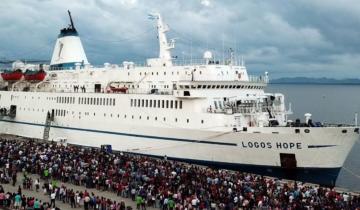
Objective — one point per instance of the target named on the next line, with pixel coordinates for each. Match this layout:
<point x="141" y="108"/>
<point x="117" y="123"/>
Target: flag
<point x="153" y="16"/>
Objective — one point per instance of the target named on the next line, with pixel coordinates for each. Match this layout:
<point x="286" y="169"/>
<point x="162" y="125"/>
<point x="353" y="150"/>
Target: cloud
<point x="309" y="37"/>
<point x="206" y="3"/>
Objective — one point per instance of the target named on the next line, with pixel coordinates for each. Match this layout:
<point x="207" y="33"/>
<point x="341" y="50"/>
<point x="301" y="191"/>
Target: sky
<point x="312" y="38"/>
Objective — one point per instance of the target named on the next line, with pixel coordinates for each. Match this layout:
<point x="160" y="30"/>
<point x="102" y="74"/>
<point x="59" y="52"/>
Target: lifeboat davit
<point x="35" y="75"/>
<point x="12" y="75"/>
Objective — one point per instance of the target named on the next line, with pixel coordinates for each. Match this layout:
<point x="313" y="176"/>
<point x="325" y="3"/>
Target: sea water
<point x="330" y="104"/>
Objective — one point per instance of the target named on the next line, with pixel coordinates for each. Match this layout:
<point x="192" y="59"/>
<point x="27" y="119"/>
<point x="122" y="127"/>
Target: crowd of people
<point x="157" y="183"/>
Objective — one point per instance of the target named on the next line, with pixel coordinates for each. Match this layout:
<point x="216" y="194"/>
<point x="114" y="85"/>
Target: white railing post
<point x="356" y="119"/>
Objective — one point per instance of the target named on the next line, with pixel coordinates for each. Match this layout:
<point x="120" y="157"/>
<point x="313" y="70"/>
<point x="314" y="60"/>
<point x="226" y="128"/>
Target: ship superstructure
<point x="208" y="112"/>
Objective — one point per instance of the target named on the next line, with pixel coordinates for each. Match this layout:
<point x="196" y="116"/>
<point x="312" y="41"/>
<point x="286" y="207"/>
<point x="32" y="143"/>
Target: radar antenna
<point x="71" y="20"/>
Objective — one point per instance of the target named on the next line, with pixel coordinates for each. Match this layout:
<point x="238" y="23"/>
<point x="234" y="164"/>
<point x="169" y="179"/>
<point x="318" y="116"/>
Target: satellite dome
<point x="207" y="55"/>
<point x="18" y="65"/>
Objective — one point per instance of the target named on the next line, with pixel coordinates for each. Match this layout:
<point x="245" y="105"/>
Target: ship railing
<point x="258" y="79"/>
<point x="243" y="109"/>
<point x="325" y="124"/>
<point x="175" y="62"/>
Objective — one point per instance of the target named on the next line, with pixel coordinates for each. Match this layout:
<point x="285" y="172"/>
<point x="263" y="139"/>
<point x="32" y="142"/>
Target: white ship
<point x="210" y="112"/>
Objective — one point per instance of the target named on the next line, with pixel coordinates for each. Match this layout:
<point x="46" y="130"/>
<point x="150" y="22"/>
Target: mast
<point x="71" y="20"/>
<point x="164" y="45"/>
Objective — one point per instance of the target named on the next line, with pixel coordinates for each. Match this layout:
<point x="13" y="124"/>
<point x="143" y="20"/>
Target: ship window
<point x="155" y="118"/>
<point x="187" y="86"/>
<point x="158" y="104"/>
<point x="147" y="103"/>
<point x="147" y="117"/>
<point x="222" y="86"/>
<point x="226" y="86"/>
<point x="107" y="102"/>
<point x="164" y="118"/>
<point x="164" y="73"/>
<point x="176" y="119"/>
<point x="167" y="104"/>
<point x="131" y="102"/>
<point x="180" y="105"/>
<point x="150" y="103"/>
<point x="176" y="104"/>
<point x="97" y="101"/>
<point x="113" y="101"/>
<point x="87" y="101"/>
<point x="202" y="121"/>
<point x="142" y="102"/>
<point x="171" y="104"/>
<point x="199" y="86"/>
<point x="155" y="103"/>
<point x="124" y="116"/>
<point x="217" y="86"/>
<point x="215" y="104"/>
<point x="132" y="116"/>
<point x="238" y="86"/>
<point x="181" y="86"/>
<point x="213" y="86"/>
<point x="139" y="117"/>
<point x="91" y="100"/>
<point x="138" y="103"/>
<point x="187" y="120"/>
<point x="162" y="104"/>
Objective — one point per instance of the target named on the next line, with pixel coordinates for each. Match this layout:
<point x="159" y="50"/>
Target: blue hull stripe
<point x="320" y="146"/>
<point x="125" y="134"/>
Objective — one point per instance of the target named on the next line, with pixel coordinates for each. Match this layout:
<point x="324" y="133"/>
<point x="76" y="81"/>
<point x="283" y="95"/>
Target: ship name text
<point x="270" y="145"/>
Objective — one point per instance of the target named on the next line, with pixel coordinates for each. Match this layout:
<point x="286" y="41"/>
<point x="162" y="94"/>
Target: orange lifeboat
<point x="37" y="76"/>
<point x="118" y="89"/>
<point x="12" y="75"/>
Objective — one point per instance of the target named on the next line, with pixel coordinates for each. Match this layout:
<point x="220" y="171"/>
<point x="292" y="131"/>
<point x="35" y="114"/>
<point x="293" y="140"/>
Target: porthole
<point x="307" y="131"/>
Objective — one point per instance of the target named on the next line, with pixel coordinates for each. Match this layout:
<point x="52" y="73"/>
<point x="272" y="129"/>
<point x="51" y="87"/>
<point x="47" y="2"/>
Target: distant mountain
<point x="306" y="80"/>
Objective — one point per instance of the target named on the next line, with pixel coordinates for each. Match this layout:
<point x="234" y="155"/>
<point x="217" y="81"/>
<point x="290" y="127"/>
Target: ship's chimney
<point x="68" y="52"/>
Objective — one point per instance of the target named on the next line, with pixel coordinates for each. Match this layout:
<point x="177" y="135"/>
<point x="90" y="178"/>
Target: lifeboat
<point x="118" y="89"/>
<point x="12" y="75"/>
<point x="35" y="75"/>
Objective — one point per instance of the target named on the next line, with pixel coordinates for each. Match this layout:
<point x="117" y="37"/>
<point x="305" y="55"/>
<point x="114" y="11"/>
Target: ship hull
<point x="311" y="154"/>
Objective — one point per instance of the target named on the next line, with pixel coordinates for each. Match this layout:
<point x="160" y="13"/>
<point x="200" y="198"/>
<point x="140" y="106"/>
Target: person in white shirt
<point x="52" y="199"/>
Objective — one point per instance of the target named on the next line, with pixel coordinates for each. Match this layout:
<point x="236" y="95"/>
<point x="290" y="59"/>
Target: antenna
<point x="71" y="21"/>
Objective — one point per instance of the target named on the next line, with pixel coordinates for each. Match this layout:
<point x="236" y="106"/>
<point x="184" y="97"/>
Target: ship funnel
<point x="68" y="52"/>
